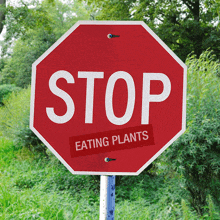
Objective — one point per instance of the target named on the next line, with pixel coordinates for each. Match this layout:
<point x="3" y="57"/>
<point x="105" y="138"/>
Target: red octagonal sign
<point x="108" y="98"/>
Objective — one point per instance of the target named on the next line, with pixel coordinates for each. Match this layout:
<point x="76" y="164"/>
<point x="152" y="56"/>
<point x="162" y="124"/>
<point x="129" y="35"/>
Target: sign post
<point x="107" y="197"/>
<point x="108" y="98"/>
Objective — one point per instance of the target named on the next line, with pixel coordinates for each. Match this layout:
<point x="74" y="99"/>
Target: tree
<point x="30" y="32"/>
<point x="184" y="25"/>
<point x="2" y="15"/>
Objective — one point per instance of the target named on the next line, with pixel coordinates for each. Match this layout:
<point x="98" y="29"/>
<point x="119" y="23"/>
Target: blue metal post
<point x="111" y="198"/>
<point x="107" y="198"/>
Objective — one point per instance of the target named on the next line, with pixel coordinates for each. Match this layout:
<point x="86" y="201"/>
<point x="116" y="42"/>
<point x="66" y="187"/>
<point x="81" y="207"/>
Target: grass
<point x="29" y="188"/>
<point x="33" y="187"/>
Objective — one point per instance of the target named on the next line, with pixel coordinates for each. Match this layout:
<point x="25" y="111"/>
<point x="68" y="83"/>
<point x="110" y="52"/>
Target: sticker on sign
<point x="108" y="141"/>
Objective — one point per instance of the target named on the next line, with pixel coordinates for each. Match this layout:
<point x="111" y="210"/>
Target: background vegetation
<point x="184" y="25"/>
<point x="183" y="183"/>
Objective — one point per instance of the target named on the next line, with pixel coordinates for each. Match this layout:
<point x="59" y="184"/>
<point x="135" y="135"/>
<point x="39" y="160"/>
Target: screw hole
<point x="112" y="35"/>
<point x="108" y="159"/>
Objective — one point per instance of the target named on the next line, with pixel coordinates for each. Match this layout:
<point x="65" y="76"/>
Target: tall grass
<point x="33" y="187"/>
<point x="14" y="112"/>
<point x="14" y="118"/>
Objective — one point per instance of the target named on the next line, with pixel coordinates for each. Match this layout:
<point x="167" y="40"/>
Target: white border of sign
<point x="60" y="41"/>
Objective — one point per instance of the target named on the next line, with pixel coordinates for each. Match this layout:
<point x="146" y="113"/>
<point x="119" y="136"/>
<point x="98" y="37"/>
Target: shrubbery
<point x="6" y="90"/>
<point x="196" y="154"/>
<point x="14" y="117"/>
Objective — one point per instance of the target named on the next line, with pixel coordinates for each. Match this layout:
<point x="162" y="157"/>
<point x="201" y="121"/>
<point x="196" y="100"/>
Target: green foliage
<point x="14" y="117"/>
<point x="7" y="153"/>
<point x="17" y="69"/>
<point x="185" y="26"/>
<point x="33" y="187"/>
<point x="196" y="153"/>
<point x="2" y="14"/>
<point x="6" y="90"/>
<point x="22" y="19"/>
<point x="211" y="207"/>
<point x="185" y="210"/>
<point x="31" y="31"/>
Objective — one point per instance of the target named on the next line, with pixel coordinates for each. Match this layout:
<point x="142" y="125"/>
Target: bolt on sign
<point x="108" y="97"/>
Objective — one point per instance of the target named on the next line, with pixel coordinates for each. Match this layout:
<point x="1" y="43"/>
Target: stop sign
<point x="108" y="98"/>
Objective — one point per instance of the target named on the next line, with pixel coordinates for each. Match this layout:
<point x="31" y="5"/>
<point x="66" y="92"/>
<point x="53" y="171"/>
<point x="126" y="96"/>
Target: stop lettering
<point x="90" y="87"/>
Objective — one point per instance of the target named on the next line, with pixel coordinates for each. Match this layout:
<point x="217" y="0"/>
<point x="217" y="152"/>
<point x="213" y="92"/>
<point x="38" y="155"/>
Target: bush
<point x="197" y="153"/>
<point x="14" y="117"/>
<point x="6" y="90"/>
